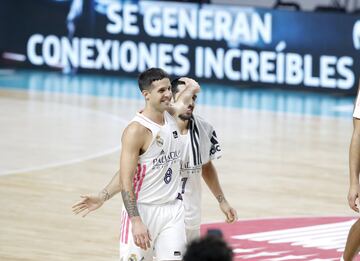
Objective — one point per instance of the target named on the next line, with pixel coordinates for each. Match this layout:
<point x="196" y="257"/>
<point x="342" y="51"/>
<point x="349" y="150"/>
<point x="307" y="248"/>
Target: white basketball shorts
<point x="167" y="231"/>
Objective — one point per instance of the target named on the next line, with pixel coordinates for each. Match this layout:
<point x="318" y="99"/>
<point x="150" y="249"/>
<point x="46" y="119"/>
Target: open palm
<point x="87" y="204"/>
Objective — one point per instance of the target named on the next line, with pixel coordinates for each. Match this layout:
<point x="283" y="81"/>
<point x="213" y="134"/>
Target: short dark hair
<point x="174" y="85"/>
<point x="147" y="77"/>
<point x="208" y="248"/>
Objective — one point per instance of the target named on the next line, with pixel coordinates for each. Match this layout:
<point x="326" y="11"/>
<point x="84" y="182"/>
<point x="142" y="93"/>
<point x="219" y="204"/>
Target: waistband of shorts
<point x="171" y="202"/>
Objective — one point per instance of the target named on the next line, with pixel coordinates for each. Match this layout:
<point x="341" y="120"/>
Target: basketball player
<point x="149" y="176"/>
<point x="201" y="147"/>
<point x="352" y="246"/>
<point x="195" y="131"/>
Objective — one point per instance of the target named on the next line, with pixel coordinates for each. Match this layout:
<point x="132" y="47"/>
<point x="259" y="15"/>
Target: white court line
<point x="69" y="162"/>
<point x="64" y="163"/>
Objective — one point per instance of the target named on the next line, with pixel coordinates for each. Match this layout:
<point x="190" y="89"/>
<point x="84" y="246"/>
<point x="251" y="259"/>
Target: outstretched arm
<point x="211" y="179"/>
<point x="354" y="165"/>
<point x="91" y="202"/>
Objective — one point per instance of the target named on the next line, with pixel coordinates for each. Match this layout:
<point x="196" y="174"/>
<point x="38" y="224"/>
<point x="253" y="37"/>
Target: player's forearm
<point x="112" y="188"/>
<point x="185" y="97"/>
<point x="211" y="179"/>
<point x="129" y="197"/>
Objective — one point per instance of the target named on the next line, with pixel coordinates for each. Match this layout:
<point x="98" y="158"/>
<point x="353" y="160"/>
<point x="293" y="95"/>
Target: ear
<point x="146" y="94"/>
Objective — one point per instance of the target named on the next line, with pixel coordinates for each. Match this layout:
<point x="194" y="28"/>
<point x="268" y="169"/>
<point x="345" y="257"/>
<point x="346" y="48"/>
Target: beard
<point x="185" y="116"/>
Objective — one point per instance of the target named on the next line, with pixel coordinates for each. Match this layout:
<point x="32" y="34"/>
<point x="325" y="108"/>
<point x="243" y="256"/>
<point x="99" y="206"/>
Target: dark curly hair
<point x="208" y="248"/>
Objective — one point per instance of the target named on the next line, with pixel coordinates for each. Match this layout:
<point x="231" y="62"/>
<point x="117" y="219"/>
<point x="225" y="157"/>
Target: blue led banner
<point x="224" y="44"/>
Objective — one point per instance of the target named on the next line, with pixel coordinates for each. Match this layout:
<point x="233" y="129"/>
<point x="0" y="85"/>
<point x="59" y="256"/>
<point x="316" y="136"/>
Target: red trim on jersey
<point x="137" y="182"/>
<point x="141" y="180"/>
<point x="136" y="178"/>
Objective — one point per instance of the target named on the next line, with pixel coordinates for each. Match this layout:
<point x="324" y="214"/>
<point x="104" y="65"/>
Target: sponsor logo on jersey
<point x="185" y="166"/>
<point x="175" y="134"/>
<point x="164" y="159"/>
<point x="159" y="140"/>
<point x="309" y="238"/>
<point x="215" y="144"/>
<point x="133" y="257"/>
<point x="179" y="196"/>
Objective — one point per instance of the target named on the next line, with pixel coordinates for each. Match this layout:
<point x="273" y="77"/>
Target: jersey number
<point x="183" y="185"/>
<point x="168" y="176"/>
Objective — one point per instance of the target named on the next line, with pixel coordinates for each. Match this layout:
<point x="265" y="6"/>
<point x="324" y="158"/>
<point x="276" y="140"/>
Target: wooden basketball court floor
<point x="285" y="154"/>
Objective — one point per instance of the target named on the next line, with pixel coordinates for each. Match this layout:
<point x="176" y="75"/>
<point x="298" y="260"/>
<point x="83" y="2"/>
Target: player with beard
<point x="201" y="147"/>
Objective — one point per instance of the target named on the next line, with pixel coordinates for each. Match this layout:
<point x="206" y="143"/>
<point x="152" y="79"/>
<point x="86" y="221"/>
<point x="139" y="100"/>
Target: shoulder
<point x="202" y="122"/>
<point x="134" y="131"/>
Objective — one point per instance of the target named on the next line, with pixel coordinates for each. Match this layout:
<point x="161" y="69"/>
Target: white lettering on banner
<point x="309" y="79"/>
<point x="280" y="68"/>
<point x="343" y="67"/>
<point x="239" y="28"/>
<point x="180" y="57"/>
<point x="233" y="64"/>
<point x="206" y="25"/>
<point x="51" y="49"/>
<point x="115" y="61"/>
<point x="69" y="52"/>
<point x="327" y="71"/>
<point x="249" y="65"/>
<point x="169" y="20"/>
<point x="262" y="28"/>
<point x="152" y="21"/>
<point x="89" y="53"/>
<point x="127" y="23"/>
<point x="356" y="35"/>
<point x="86" y="53"/>
<point x="214" y="63"/>
<point x="129" y="56"/>
<point x="165" y="53"/>
<point x="180" y="21"/>
<point x="229" y="71"/>
<point x="186" y="27"/>
<point x="274" y="67"/>
<point x="103" y="60"/>
<point x="293" y="73"/>
<point x="267" y="70"/>
<point x="199" y="62"/>
<point x="148" y="55"/>
<point x="223" y="20"/>
<point x="33" y="42"/>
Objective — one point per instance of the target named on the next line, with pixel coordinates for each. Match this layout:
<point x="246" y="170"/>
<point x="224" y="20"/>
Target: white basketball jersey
<point x="156" y="180"/>
<point x="201" y="146"/>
